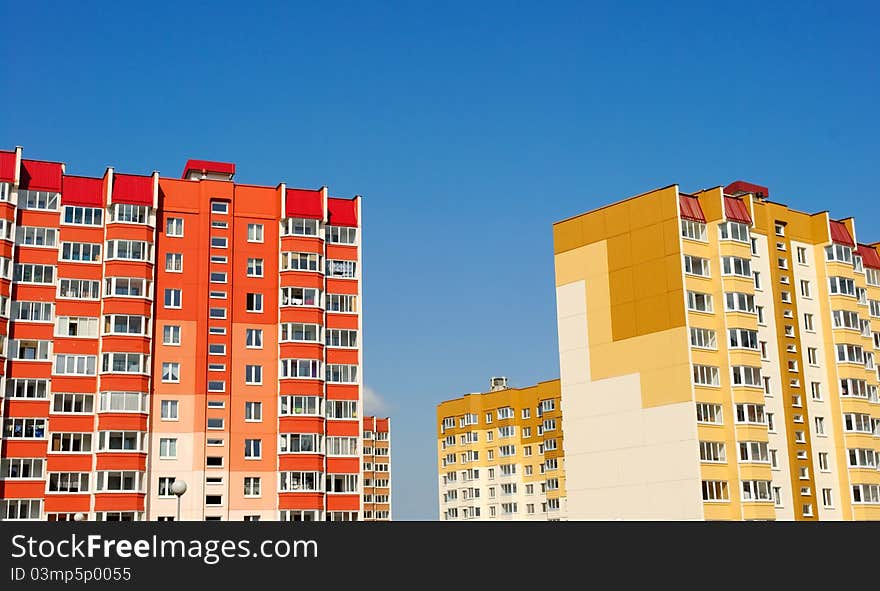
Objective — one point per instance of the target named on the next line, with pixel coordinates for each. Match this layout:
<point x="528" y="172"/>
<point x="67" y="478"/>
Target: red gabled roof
<point x="870" y="257"/>
<point x="84" y="191"/>
<point x="735" y="210"/>
<point x="305" y="203"/>
<point x="134" y="189"/>
<point x="840" y="234"/>
<point x="40" y="176"/>
<point x="342" y="212"/>
<point x="689" y="208"/>
<point x="208" y="166"/>
<point x="7" y="167"/>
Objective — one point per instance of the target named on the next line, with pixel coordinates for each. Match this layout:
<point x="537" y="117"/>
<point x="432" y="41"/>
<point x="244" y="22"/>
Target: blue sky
<point x="469" y="128"/>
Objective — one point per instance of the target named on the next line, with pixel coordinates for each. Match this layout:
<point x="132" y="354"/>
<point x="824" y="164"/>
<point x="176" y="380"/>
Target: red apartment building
<point x="189" y="328"/>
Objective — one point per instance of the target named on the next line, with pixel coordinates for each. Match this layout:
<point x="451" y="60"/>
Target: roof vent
<point x="496" y="384"/>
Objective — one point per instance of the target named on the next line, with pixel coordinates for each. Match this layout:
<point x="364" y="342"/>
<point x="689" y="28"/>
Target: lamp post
<point x="79" y="516"/>
<point x="178" y="487"/>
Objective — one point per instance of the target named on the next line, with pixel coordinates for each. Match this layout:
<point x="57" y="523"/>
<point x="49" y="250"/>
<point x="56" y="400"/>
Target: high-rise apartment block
<point x="186" y="328"/>
<point x="377" y="469"/>
<point x="717" y="357"/>
<point x="500" y="454"/>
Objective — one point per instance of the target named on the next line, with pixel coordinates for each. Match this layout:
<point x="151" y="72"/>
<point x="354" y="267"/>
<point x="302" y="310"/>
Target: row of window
<point x="506" y="412"/>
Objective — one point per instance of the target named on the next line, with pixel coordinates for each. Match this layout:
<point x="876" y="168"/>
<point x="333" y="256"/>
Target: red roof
<point x="208" y="166"/>
<point x="40" y="176"/>
<point x="134" y="189"/>
<point x="689" y="207"/>
<point x="84" y="191"/>
<point x="738" y="187"/>
<point x="840" y="234"/>
<point x="735" y="210"/>
<point x="870" y="257"/>
<point x="305" y="203"/>
<point x="342" y="212"/>
<point x="7" y="167"/>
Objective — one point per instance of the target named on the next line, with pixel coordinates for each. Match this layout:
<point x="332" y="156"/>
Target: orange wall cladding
<point x="154" y="329"/>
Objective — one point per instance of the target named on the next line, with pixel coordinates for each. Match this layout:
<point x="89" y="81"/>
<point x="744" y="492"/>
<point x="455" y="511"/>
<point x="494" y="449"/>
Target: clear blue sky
<point x="468" y="128"/>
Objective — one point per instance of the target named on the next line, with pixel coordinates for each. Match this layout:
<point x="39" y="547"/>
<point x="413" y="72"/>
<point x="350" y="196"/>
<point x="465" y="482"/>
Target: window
<point x="735" y="231"/>
<point x="253" y="374"/>
<point x="300" y="368"/>
<point x="254" y="338"/>
<point x="782" y="263"/>
<point x="343" y="269"/>
<point x="341" y="235"/>
<point x="785" y="296"/>
<point x="756" y="490"/>
<point x="753" y="452"/>
<point x="816" y="391"/>
<point x="693" y="230"/>
<point x="216" y="349"/>
<point x="342" y="373"/>
<point x="216" y="386"/>
<point x="780" y="229"/>
<point x="712" y="451"/>
<point x="71" y="442"/>
<point x="79" y="289"/>
<point x="217" y="313"/>
<point x="300" y="261"/>
<point x="346" y="304"/>
<point x="32" y="311"/>
<point x="252" y="487"/>
<point x="121" y="441"/>
<point x="255" y="233"/>
<point x="129" y="250"/>
<point x="27" y="388"/>
<point x="839" y="253"/>
<point x="805" y="289"/>
<point x="705" y="375"/>
<point x="757" y="277"/>
<point x="742" y="338"/>
<point x="299" y="227"/>
<point x="254" y="267"/>
<point x="808" y="322"/>
<point x="866" y="493"/>
<point x="29" y="273"/>
<point x="36" y="236"/>
<point x="114" y="401"/>
<point x="75" y="365"/>
<point x="345" y="409"/>
<point x="24" y="428"/>
<point x="812" y="356"/>
<point x="736" y="266"/>
<point x="298" y="332"/>
<point x="342" y="338"/>
<point x="850" y="354"/>
<point x="739" y="302"/>
<point x="83" y="216"/>
<point x="253" y="449"/>
<point x="71" y="326"/>
<point x="219" y="241"/>
<point x="752" y="414"/>
<point x="38" y="200"/>
<point x="72" y="403"/>
<point x="167" y="448"/>
<point x="126" y="325"/>
<point x="842" y="286"/>
<point x="299" y="443"/>
<point x="170" y="371"/>
<point x="132" y="287"/>
<point x="699" y="302"/>
<point x="709" y="413"/>
<point x="173" y="298"/>
<point x="347" y="446"/>
<point x="125" y="363"/>
<point x="22" y="468"/>
<point x="744" y="375"/>
<point x="83" y="252"/>
<point x="715" y="490"/>
<point x="254" y="302"/>
<point x="801" y="255"/>
<point x="174" y="262"/>
<point x="129" y="214"/>
<point x="696" y="266"/>
<point x="174" y="227"/>
<point x="170" y="335"/>
<point x="21" y="509"/>
<point x="217" y="277"/>
<point x="168" y="410"/>
<point x="302" y="296"/>
<point x="874" y="307"/>
<point x="759" y="310"/>
<point x="220" y="207"/>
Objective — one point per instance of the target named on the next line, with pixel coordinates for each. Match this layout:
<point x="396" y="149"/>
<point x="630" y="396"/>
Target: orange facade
<point x="194" y="329"/>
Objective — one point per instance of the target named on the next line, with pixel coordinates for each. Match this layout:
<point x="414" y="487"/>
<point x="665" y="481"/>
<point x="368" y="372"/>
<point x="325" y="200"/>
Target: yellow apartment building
<point x="717" y="360"/>
<point x="499" y="454"/>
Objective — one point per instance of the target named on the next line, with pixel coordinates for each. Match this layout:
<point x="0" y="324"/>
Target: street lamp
<point x="178" y="487"/>
<point x="79" y="516"/>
